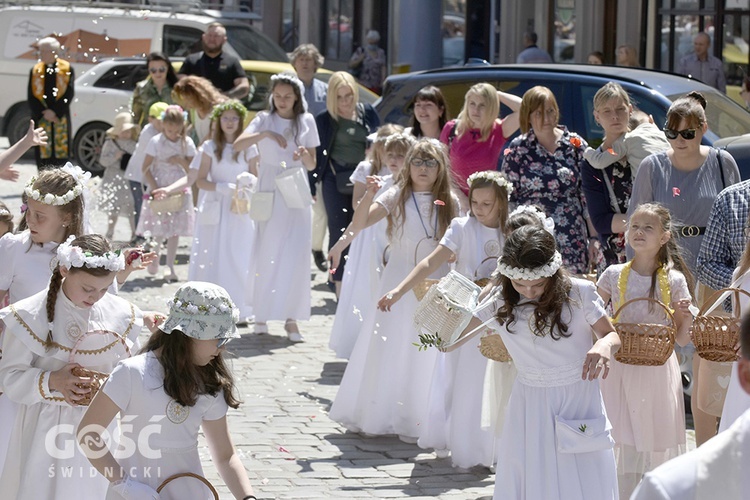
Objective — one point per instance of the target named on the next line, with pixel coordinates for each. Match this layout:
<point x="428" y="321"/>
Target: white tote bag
<point x="261" y="206"/>
<point x="292" y="184"/>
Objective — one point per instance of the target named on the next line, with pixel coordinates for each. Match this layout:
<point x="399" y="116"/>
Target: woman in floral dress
<point x="544" y="166"/>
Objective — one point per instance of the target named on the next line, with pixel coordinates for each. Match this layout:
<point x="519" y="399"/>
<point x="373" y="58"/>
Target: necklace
<point x="661" y="277"/>
<point x="434" y="228"/>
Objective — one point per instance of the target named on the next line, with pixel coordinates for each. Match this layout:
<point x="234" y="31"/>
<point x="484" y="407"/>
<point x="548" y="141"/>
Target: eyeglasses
<point x="222" y="342"/>
<point x="230" y="119"/>
<point x="687" y="134"/>
<point x="160" y="69"/>
<point x="424" y="162"/>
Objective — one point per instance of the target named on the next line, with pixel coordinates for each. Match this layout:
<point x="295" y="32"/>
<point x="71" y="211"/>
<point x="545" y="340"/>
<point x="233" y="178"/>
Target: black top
<point x="221" y="70"/>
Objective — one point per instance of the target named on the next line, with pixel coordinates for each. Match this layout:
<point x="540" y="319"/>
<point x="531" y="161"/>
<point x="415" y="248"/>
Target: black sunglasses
<point x="160" y="69"/>
<point x="687" y="134"/>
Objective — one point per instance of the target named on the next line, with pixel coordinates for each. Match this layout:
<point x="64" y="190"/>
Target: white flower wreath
<point x="547" y="222"/>
<point x="289" y="79"/>
<point x="78" y="174"/>
<point x="70" y="256"/>
<point x="493" y="176"/>
<point x="545" y="271"/>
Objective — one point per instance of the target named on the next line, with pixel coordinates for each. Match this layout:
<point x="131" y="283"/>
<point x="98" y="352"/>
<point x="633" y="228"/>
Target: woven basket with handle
<point x="645" y="344"/>
<point x="492" y="347"/>
<point x="194" y="476"/>
<point x="716" y="337"/>
<point x="97" y="378"/>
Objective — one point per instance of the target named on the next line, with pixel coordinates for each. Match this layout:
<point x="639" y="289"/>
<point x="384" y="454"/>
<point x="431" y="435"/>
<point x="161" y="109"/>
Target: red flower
<point x="611" y="151"/>
<point x="675" y="191"/>
<point x="439" y="203"/>
<point x="506" y="151"/>
<point x="575" y="141"/>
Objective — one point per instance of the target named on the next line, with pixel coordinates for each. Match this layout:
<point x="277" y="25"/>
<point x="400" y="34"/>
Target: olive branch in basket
<point x="427" y="340"/>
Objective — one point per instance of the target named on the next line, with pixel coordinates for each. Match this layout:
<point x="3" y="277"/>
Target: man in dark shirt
<point x="222" y="69"/>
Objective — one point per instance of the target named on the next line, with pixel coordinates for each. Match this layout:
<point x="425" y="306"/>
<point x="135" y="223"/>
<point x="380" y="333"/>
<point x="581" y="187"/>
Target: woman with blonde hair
<point x="343" y="129"/>
<point x="476" y="138"/>
<point x="198" y="96"/>
<point x="626" y="55"/>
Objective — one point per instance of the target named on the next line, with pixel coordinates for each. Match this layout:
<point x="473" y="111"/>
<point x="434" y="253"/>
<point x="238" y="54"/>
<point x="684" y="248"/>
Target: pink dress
<point x="644" y="403"/>
<point x="469" y="155"/>
<point x="168" y="224"/>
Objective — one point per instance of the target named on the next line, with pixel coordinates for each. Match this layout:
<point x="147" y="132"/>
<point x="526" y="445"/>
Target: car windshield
<point x="250" y="44"/>
<point x="725" y="118"/>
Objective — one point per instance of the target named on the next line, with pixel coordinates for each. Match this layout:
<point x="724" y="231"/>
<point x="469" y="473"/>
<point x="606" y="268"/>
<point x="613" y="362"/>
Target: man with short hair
<point x="717" y="469"/>
<point x="307" y="59"/>
<point x="703" y="66"/>
<point x="532" y="53"/>
<point x="220" y="68"/>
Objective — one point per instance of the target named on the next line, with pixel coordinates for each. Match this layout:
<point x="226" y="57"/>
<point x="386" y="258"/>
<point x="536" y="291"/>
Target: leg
<point x="339" y="212"/>
<point x="292" y="331"/>
<point x="171" y="255"/>
<point x="704" y="423"/>
<point x="137" y="189"/>
<point x="320" y="221"/>
<point x="111" y="227"/>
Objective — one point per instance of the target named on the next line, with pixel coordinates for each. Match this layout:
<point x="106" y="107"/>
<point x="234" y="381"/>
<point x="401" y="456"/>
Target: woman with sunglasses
<point x="687" y="179"/>
<point x="157" y="87"/>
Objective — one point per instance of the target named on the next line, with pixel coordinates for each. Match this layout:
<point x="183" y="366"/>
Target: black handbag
<point x="342" y="174"/>
<point x="125" y="158"/>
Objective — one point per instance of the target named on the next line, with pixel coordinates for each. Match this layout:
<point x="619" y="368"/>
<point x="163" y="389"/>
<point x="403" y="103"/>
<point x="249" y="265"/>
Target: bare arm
<point x="426" y="267"/>
<point x="33" y="137"/>
<point x="599" y="356"/>
<point x="359" y="192"/>
<point x="202" y="180"/>
<point x="98" y="416"/>
<point x="510" y="122"/>
<point x="241" y="88"/>
<point x="225" y="457"/>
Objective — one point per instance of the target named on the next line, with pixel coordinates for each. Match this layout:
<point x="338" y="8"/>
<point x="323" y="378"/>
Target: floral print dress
<point x="552" y="180"/>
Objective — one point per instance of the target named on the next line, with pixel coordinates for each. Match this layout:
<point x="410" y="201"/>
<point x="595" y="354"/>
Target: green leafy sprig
<point x="427" y="340"/>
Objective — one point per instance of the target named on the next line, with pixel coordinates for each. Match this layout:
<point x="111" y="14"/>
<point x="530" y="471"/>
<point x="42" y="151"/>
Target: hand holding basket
<point x="645" y="344"/>
<point x="97" y="378"/>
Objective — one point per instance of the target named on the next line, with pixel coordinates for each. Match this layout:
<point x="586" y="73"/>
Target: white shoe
<point x="295" y="337"/>
<point x="260" y="328"/>
<point x="292" y="332"/>
<point x="442" y="453"/>
<point x="408" y="439"/>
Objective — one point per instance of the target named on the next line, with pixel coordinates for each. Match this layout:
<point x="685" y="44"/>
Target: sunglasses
<point x="424" y="162"/>
<point x="160" y="69"/>
<point x="687" y="134"/>
<point x="222" y="342"/>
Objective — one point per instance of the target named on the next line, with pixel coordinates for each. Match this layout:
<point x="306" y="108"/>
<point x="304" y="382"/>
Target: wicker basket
<point x="447" y="308"/>
<point x="194" y="476"/>
<point x="170" y="204"/>
<point x="716" y="337"/>
<point x="492" y="347"/>
<point x="482" y="282"/>
<point x="645" y="344"/>
<point x="421" y="288"/>
<point x="97" y="378"/>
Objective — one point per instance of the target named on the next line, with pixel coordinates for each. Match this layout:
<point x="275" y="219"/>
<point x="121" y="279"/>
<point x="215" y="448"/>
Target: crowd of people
<point x="561" y="238"/>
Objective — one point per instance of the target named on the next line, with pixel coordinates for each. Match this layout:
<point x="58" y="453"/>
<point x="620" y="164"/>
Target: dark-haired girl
<point x="181" y="381"/>
<point x="686" y="179"/>
<point x="429" y="113"/>
<point x="45" y="340"/>
<point x="555" y="442"/>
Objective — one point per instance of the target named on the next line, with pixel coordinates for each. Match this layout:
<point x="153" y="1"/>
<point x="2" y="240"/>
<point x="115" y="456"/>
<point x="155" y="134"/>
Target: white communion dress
<point x="549" y="398"/>
<point x="223" y="240"/>
<point x="46" y="462"/>
<point x="279" y="274"/>
<point x="385" y="388"/>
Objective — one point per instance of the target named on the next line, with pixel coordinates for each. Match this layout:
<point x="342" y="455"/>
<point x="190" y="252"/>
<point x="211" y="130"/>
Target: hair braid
<point x="55" y="283"/>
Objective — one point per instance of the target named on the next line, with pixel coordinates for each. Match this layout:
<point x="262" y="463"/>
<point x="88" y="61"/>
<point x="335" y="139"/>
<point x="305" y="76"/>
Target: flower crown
<point x="289" y="79"/>
<point x="226" y="106"/>
<point x="547" y="222"/>
<point x="190" y="308"/>
<point x="76" y="172"/>
<point x="520" y="273"/>
<point x="4" y="211"/>
<point x="493" y="176"/>
<point x="175" y="107"/>
<point x="70" y="256"/>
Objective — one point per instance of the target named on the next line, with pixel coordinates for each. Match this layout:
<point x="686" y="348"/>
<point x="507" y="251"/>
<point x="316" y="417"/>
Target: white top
<point x="27" y="267"/>
<point x="477" y="247"/>
<point x="270" y="153"/>
<point x="636" y="145"/>
<point x="134" y="172"/>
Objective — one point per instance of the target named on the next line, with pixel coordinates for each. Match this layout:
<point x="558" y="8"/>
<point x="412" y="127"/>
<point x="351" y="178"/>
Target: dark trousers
<point x="137" y="189"/>
<point x="339" y="211"/>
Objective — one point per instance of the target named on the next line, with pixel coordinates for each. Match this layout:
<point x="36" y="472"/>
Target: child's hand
<point x="159" y="194"/>
<point x="597" y="361"/>
<point x="299" y="153"/>
<point x="334" y="256"/>
<point x="682" y="308"/>
<point x="152" y="320"/>
<point x="72" y="388"/>
<point x="387" y="300"/>
<point x="37" y="136"/>
<point x="278" y="138"/>
<point x="374" y="183"/>
<point x="9" y="174"/>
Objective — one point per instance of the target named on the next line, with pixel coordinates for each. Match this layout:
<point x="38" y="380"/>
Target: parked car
<point x="105" y="90"/>
<point x="90" y="33"/>
<point x="574" y="86"/>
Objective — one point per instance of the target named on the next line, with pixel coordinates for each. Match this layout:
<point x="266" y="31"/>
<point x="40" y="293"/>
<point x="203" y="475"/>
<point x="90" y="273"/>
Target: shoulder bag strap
<point x="452" y="135"/>
<point x="721" y="168"/>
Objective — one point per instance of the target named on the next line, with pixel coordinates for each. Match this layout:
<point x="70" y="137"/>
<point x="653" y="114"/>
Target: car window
<point x="725" y="118"/>
<point x="181" y="41"/>
<point x="123" y="77"/>
<point x="249" y="44"/>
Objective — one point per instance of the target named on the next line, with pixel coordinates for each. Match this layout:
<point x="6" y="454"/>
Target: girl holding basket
<point x="645" y="403"/>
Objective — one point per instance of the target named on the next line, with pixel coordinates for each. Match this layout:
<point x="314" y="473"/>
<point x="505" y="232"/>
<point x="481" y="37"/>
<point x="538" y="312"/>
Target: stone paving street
<point x="289" y="446"/>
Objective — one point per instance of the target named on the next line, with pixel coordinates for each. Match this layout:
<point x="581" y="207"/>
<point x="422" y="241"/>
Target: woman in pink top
<point x="476" y="138"/>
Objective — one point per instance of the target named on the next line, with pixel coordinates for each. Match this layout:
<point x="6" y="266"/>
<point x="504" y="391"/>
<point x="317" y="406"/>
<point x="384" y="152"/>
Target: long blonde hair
<point x="377" y="153"/>
<point x="488" y="94"/>
<point x="339" y="79"/>
<point x="441" y="189"/>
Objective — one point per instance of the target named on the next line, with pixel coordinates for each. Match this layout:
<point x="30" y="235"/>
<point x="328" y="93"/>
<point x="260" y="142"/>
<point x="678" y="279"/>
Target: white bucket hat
<point x="202" y="311"/>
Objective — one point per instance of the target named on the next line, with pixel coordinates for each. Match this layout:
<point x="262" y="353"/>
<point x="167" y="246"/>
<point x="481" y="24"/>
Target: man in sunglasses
<point x="703" y="66"/>
<point x="219" y="67"/>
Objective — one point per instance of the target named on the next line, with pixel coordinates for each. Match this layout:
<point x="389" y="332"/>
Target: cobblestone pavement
<point x="289" y="446"/>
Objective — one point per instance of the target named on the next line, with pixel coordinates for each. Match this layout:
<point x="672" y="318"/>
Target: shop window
<point x="340" y="29"/>
<point x="565" y="31"/>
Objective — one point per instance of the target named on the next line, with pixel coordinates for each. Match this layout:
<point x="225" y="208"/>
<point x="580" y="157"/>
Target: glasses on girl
<point x="160" y="69"/>
<point x="687" y="134"/>
<point x="222" y="342"/>
<point x="230" y="119"/>
<point x="424" y="162"/>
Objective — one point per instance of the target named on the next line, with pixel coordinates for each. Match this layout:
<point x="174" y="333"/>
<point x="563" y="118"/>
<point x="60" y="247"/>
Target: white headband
<point x="289" y="79"/>
<point x="545" y="271"/>
<point x="71" y="256"/>
<point x="547" y="222"/>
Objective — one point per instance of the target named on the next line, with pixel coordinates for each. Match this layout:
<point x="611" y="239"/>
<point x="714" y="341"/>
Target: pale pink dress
<point x="644" y="403"/>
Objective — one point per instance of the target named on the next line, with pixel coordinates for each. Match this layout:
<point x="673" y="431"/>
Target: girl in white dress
<point x="645" y="403"/>
<point x="556" y="441"/>
<point x="45" y="341"/>
<point x="474" y="242"/>
<point x="168" y="157"/>
<point x="359" y="286"/>
<point x="223" y="239"/>
<point x="386" y="384"/>
<point x="180" y="381"/>
<point x="115" y="198"/>
<point x="279" y="275"/>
